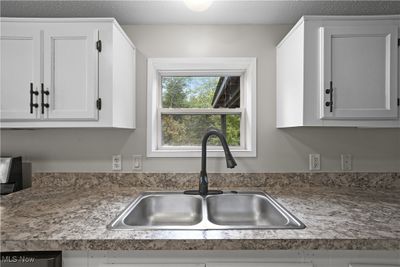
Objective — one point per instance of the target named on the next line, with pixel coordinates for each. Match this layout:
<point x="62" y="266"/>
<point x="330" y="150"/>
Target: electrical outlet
<point x="116" y="162"/>
<point x="137" y="163"/>
<point x="315" y="162"/>
<point x="347" y="163"/>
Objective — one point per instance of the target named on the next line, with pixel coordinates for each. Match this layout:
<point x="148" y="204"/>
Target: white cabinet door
<point x="20" y="71"/>
<point x="371" y="265"/>
<point x="361" y="63"/>
<point x="153" y="265"/>
<point x="260" y="264"/>
<point x="70" y="72"/>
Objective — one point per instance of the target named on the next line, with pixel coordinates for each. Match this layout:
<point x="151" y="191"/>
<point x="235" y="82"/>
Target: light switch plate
<point x="346" y="161"/>
<point x="137" y="162"/>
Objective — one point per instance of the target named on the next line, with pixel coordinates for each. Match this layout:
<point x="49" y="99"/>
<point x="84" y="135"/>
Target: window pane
<point x="188" y="130"/>
<point x="200" y="92"/>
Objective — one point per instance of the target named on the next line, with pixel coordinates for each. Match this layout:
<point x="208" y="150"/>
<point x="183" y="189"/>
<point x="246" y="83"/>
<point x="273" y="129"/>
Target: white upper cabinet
<point x="339" y="71"/>
<point x="70" y="72"/>
<point x="82" y="74"/>
<point x="361" y="64"/>
<point x="20" y="72"/>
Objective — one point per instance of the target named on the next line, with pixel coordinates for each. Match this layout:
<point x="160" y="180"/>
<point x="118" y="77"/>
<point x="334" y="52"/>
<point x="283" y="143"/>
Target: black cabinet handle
<point x="330" y="92"/>
<point x="43" y="92"/>
<point x="32" y="105"/>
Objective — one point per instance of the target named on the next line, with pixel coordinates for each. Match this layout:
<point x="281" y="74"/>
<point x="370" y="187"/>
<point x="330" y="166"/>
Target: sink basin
<point x="162" y="210"/>
<point x="248" y="210"/>
<point x="231" y="210"/>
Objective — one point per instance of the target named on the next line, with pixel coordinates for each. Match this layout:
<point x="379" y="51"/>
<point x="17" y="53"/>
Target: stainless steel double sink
<point x="230" y="210"/>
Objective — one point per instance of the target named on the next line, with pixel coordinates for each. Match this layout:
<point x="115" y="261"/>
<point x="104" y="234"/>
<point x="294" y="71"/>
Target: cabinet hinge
<point x="98" y="45"/>
<point x="98" y="103"/>
<point x="398" y="42"/>
<point x="398" y="102"/>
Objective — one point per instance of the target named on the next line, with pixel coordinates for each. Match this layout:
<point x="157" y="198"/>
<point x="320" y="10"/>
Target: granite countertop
<point x="50" y="217"/>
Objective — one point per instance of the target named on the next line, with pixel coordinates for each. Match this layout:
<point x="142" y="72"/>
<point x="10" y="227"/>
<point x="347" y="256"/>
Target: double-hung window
<point x="187" y="96"/>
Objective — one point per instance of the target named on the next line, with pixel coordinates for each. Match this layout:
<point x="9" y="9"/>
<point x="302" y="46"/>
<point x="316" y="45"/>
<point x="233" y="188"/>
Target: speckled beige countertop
<point x="54" y="215"/>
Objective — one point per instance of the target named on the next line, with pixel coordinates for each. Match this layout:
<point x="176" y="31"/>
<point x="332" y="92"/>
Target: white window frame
<point x="244" y="67"/>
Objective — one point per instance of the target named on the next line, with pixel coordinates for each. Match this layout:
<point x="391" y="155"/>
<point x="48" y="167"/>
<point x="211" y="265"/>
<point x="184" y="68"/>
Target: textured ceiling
<point x="174" y="11"/>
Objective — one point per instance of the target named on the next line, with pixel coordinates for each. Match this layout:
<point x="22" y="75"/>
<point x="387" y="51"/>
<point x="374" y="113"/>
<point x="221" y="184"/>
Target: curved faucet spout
<point x="230" y="161"/>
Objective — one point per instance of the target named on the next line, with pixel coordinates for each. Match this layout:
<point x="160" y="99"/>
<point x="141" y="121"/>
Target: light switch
<point x="137" y="162"/>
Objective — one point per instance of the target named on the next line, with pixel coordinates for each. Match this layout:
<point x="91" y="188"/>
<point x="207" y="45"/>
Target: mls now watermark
<point x="17" y="259"/>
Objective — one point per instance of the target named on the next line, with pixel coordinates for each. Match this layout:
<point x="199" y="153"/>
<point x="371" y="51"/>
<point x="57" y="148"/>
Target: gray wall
<point x="278" y="150"/>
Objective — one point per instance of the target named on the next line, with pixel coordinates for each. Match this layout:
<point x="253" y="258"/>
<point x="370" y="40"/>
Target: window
<point x="186" y="96"/>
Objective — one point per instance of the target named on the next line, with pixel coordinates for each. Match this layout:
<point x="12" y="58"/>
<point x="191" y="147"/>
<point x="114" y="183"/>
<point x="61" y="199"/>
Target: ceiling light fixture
<point x="198" y="5"/>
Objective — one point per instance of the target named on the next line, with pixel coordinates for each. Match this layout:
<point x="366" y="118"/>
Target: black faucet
<point x="230" y="163"/>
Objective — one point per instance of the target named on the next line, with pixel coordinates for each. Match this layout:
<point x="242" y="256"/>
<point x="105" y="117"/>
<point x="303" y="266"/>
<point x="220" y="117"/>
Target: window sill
<point x="196" y="153"/>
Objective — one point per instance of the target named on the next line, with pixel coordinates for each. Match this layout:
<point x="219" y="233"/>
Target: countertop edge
<point x="208" y="244"/>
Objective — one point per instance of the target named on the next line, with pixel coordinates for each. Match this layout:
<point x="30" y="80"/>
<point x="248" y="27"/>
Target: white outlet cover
<point x="315" y="162"/>
<point x="116" y="162"/>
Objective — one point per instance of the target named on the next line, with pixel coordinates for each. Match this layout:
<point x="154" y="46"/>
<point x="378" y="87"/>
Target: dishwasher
<point x="31" y="259"/>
